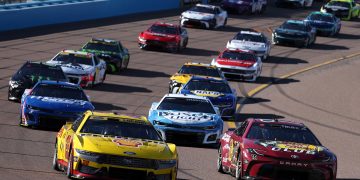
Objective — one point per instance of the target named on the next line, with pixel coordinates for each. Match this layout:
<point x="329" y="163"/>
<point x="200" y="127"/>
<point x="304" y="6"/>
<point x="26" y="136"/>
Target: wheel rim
<point x="238" y="169"/>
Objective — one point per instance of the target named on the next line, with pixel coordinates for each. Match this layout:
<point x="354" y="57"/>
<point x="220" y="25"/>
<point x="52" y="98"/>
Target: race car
<point x="238" y="64"/>
<point x="113" y="146"/>
<point x="29" y="74"/>
<point x="295" y="31"/>
<point x="164" y="35"/>
<point x="324" y="23"/>
<point x="188" y="70"/>
<point x="204" y="16"/>
<point x="115" y="55"/>
<point x="296" y="3"/>
<point x="344" y="9"/>
<point x="218" y="91"/>
<point x="187" y="119"/>
<point x="50" y="104"/>
<point x="82" y="68"/>
<point x="253" y="41"/>
<point x="274" y="149"/>
<point x="245" y="6"/>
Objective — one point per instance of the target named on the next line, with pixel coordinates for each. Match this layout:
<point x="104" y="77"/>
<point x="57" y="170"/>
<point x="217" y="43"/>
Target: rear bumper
<point x="197" y="23"/>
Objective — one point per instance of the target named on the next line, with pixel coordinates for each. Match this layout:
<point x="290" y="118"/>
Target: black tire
<point x="20" y="119"/>
<point x="55" y="165"/>
<point x="93" y="81"/>
<point x="225" y="22"/>
<point x="127" y="63"/>
<point x="185" y="43"/>
<point x="70" y="165"/>
<point x="219" y="161"/>
<point x="306" y="43"/>
<point x="103" y="80"/>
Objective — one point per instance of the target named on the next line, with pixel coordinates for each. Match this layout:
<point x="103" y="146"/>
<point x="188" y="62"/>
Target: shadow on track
<point x="243" y="116"/>
<point x="284" y="60"/>
<point x="348" y="36"/>
<point x="143" y="73"/>
<point x="198" y="52"/>
<point x="106" y="107"/>
<point x="327" y="47"/>
<point x="120" y="88"/>
<point x="253" y="100"/>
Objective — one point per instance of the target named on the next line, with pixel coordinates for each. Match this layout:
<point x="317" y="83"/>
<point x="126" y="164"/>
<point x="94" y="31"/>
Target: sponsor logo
<point x="294" y="156"/>
<point x="59" y="100"/>
<point x="186" y="117"/>
<point x="127" y="142"/>
<point x="129" y="153"/>
<point x="291" y="147"/>
<point x="296" y="164"/>
<point x="207" y="93"/>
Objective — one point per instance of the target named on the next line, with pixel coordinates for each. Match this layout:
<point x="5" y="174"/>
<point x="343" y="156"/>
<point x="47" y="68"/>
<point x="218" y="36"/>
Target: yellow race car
<point x="190" y="69"/>
<point x="111" y="146"/>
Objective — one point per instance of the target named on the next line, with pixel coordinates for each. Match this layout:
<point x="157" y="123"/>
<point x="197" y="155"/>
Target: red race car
<point x="239" y="64"/>
<point x="274" y="149"/>
<point x="164" y="35"/>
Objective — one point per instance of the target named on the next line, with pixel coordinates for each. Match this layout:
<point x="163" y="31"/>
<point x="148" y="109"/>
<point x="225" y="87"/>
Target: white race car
<point x="80" y="67"/>
<point x="205" y="16"/>
<point x="253" y="41"/>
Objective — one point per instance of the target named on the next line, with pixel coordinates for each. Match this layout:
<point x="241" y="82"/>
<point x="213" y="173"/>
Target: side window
<point x="77" y="123"/>
<point x="96" y="60"/>
<point x="240" y="131"/>
<point x="217" y="10"/>
<point x="120" y="47"/>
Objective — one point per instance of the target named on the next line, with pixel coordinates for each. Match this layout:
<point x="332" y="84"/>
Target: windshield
<point x="319" y="17"/>
<point x="203" y="9"/>
<point x="233" y="55"/>
<point x="163" y="29"/>
<point x="200" y="71"/>
<point x="186" y="104"/>
<point x="59" y="91"/>
<point x="37" y="72"/>
<point x="250" y="37"/>
<point x="338" y="3"/>
<point x="118" y="128"/>
<point x="205" y="85"/>
<point x="102" y="47"/>
<point x="282" y="132"/>
<point x="294" y="26"/>
<point x="73" y="59"/>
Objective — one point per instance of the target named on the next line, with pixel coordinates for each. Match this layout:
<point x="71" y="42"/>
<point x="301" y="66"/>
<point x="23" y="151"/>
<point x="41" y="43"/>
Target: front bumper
<point x="198" y="23"/>
<point x="239" y="73"/>
<point x="287" y="39"/>
<point x="84" y="168"/>
<point x="157" y="43"/>
<point x="46" y="118"/>
<point x="187" y="135"/>
<point x="15" y="93"/>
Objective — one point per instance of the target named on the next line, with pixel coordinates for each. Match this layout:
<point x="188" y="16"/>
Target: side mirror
<point x="172" y="147"/>
<point x="27" y="92"/>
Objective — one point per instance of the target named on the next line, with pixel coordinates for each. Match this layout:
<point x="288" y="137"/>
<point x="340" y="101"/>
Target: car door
<point x="235" y="142"/>
<point x="223" y="16"/>
<point x="100" y="68"/>
<point x="67" y="137"/>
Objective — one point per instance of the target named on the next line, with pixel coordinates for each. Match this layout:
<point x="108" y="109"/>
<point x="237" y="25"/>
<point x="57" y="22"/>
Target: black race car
<point x="29" y="74"/>
<point x="111" y="51"/>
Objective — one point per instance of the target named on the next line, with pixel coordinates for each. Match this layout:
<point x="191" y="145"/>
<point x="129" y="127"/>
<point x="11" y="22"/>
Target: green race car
<point x="344" y="9"/>
<point x="111" y="51"/>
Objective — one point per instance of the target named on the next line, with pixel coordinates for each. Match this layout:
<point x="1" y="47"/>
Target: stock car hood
<point x="335" y="8"/>
<point x="290" y="32"/>
<point x="77" y="69"/>
<point x="184" y="118"/>
<point x="123" y="146"/>
<point x="235" y="63"/>
<point x="181" y="78"/>
<point x="321" y="24"/>
<point x="197" y="15"/>
<point x="247" y="45"/>
<point x="58" y="104"/>
<point x="102" y="54"/>
<point x="288" y="150"/>
<point x="217" y="98"/>
<point x="158" y="36"/>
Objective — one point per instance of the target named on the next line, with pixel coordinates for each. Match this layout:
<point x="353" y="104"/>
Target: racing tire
<point x="175" y="90"/>
<point x="127" y="63"/>
<point x="70" y="164"/>
<point x="20" y="119"/>
<point x="175" y="49"/>
<point x="313" y="42"/>
<point x="307" y="43"/>
<point x="93" y="81"/>
<point x="103" y="79"/>
<point x="219" y="166"/>
<point x="225" y="22"/>
<point x="185" y="43"/>
<point x="55" y="164"/>
<point x="238" y="170"/>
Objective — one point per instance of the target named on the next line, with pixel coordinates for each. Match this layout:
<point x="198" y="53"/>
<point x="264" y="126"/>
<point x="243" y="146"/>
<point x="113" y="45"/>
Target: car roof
<point x="251" y="33"/>
<point x="321" y="13"/>
<point x="295" y="21"/>
<point x="276" y="121"/>
<point x="58" y="83"/>
<point x="103" y="41"/>
<point x="239" y="50"/>
<point x="120" y="117"/>
<point x="165" y="24"/>
<point x="80" y="53"/>
<point x="188" y="96"/>
<point x="42" y="64"/>
<point x="206" y="6"/>
<point x="208" y="78"/>
<point x="198" y="64"/>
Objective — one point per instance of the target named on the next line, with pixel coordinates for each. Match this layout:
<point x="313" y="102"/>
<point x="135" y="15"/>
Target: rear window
<point x="294" y="26"/>
<point x="163" y="29"/>
<point x="102" y="47"/>
<point x="282" y="132"/>
<point x="74" y="59"/>
<point x="59" y="91"/>
<point x="250" y="37"/>
<point x="203" y="9"/>
<point x="339" y="3"/>
<point x="186" y="104"/>
<point x="200" y="71"/>
<point x="320" y="17"/>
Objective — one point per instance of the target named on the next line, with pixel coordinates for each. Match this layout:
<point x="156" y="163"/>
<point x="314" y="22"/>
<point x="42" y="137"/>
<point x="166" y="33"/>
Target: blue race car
<point x="186" y="119"/>
<point x="294" y="31"/>
<point x="325" y="23"/>
<point x="52" y="104"/>
<point x="218" y="91"/>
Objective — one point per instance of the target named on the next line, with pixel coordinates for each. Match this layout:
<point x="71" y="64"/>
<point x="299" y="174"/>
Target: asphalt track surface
<point x="326" y="98"/>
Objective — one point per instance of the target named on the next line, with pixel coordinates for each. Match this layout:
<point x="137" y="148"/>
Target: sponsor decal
<point x="186" y="117"/>
<point x="128" y="142"/>
<point x="59" y="100"/>
<point x="207" y="93"/>
<point x="296" y="164"/>
<point x="291" y="147"/>
<point x="72" y="66"/>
